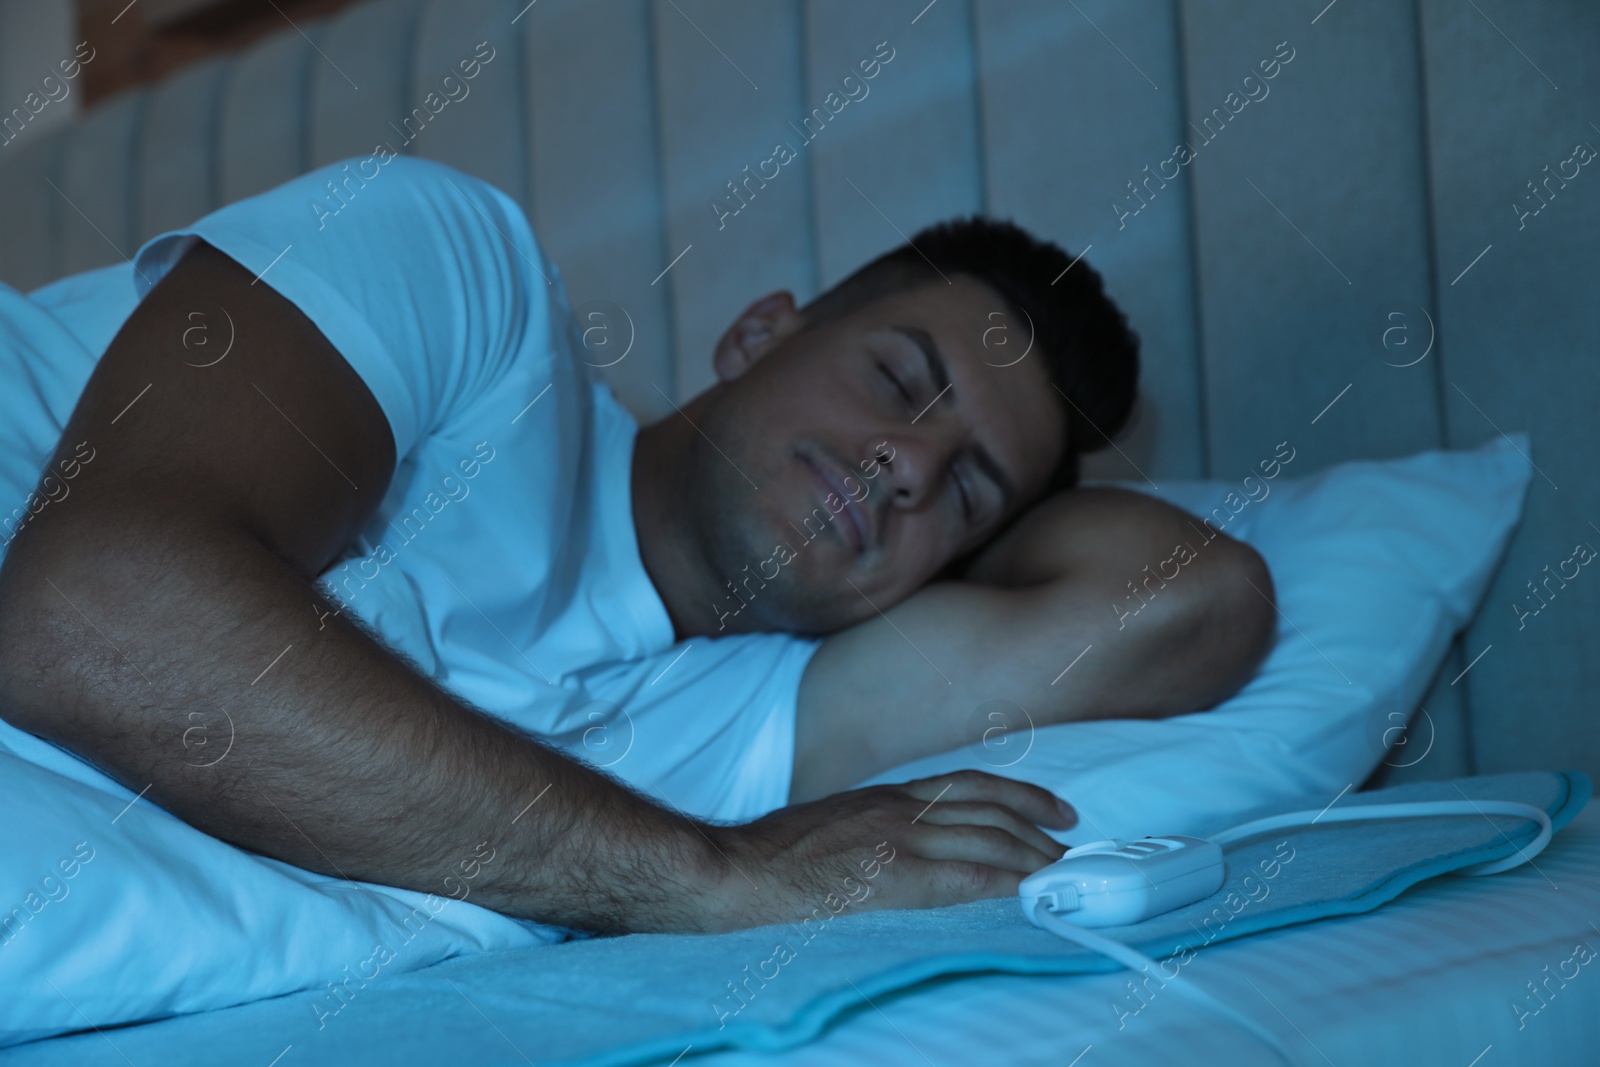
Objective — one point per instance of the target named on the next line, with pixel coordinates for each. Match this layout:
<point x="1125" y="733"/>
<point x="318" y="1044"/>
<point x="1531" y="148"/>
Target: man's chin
<point x="785" y="603"/>
<point x="776" y="578"/>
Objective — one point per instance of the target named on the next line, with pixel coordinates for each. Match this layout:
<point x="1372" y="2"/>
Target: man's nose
<point x="909" y="467"/>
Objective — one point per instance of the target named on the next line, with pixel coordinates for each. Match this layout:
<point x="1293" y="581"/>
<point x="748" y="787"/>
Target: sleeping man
<point x="343" y="553"/>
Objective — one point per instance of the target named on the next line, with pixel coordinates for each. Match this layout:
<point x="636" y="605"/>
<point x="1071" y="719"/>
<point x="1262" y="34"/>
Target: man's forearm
<point x="122" y="629"/>
<point x="1033" y="626"/>
<point x="1106" y="555"/>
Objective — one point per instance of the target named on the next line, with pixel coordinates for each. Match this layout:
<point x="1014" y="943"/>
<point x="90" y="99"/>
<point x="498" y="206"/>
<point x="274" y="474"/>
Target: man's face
<point x="839" y="468"/>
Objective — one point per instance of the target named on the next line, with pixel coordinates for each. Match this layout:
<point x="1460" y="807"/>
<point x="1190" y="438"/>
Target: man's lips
<point x="858" y="527"/>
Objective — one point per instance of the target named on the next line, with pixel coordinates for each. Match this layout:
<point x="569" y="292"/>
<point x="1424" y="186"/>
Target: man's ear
<point x="760" y="326"/>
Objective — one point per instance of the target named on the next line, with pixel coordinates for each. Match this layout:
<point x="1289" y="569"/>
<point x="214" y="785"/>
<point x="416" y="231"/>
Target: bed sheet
<point x="1443" y="974"/>
<point x="1464" y="972"/>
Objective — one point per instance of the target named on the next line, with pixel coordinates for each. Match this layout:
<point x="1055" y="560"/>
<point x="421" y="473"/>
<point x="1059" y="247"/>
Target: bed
<point x="1451" y="971"/>
<point x="1360" y="209"/>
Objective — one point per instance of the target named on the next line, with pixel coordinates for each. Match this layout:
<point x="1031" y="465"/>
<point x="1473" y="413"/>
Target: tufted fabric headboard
<point x="1376" y="237"/>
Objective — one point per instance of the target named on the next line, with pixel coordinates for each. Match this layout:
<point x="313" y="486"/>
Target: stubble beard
<point x="745" y="544"/>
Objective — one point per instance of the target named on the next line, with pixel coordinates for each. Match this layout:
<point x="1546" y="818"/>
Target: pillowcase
<point x="113" y="911"/>
<point x="1377" y="565"/>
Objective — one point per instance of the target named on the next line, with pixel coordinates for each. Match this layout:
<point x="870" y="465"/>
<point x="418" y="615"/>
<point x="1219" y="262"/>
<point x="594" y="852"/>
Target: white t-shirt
<point x="503" y="560"/>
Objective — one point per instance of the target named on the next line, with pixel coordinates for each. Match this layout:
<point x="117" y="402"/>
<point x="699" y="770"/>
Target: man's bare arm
<point x="1066" y="615"/>
<point x="174" y="587"/>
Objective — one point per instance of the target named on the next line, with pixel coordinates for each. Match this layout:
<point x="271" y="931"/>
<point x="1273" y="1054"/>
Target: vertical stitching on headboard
<point x="519" y="40"/>
<point x="1425" y="136"/>
<point x="408" y="74"/>
<point x="1203" y="396"/>
<point x="653" y="79"/>
<point x="56" y="167"/>
<point x="803" y="11"/>
<point x="132" y="186"/>
<point x="980" y="128"/>
<point x="219" y="123"/>
<point x="308" y="96"/>
<point x="1457" y="650"/>
<point x="208" y="132"/>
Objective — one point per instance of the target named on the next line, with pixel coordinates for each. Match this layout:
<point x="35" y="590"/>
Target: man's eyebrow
<point x="941" y="380"/>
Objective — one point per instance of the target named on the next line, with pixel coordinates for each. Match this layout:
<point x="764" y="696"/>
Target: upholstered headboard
<point x="1377" y="238"/>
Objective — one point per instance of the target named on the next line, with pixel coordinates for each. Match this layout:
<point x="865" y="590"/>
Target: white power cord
<point x="1137" y="961"/>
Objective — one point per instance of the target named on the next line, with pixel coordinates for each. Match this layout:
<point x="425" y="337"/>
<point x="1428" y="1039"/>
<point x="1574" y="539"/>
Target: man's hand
<point x="921" y="844"/>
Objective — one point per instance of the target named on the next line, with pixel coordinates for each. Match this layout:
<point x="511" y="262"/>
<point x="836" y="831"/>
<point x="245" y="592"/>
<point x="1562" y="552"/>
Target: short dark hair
<point x="1092" y="355"/>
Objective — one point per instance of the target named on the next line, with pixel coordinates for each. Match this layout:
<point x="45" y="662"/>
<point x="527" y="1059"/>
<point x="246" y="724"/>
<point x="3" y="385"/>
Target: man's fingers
<point x="952" y="813"/>
<point x="958" y="883"/>
<point x="987" y="845"/>
<point x="1032" y="802"/>
<point x="924" y="883"/>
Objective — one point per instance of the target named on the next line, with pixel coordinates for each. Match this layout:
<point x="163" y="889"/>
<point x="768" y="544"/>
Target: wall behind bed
<point x="1388" y="245"/>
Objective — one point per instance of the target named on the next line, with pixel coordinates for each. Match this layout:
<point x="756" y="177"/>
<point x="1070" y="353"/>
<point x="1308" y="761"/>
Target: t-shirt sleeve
<point x="429" y="282"/>
<point x="706" y="725"/>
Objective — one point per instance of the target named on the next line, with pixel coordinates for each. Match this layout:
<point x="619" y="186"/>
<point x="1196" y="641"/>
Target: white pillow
<point x="113" y="911"/>
<point x="1377" y="566"/>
